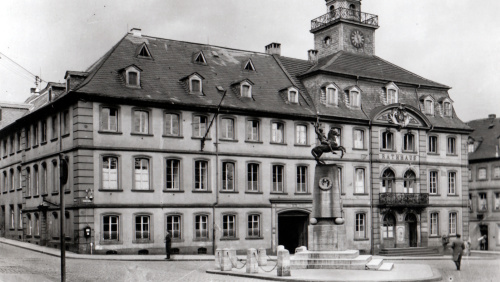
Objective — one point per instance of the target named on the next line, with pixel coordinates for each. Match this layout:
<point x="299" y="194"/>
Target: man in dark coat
<point x="458" y="247"/>
<point x="168" y="244"/>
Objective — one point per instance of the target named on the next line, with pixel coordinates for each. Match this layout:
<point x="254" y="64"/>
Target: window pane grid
<point x="110" y="173"/>
<point x="277" y="132"/>
<point x="142" y="227"/>
<point x="301" y="179"/>
<point x="301" y="134"/>
<point x="228" y="177"/>
<point x="278" y="178"/>
<point x="252" y="130"/>
<point x="433" y="178"/>
<point x="201" y="226"/>
<point x="172" y="174"/>
<point x="174" y="226"/>
<point x="201" y="181"/>
<point x="110" y="228"/>
<point x="452" y="224"/>
<point x="172" y="124"/>
<point x="451" y="182"/>
<point x="141" y="174"/>
<point x="253" y="177"/>
<point x="253" y="226"/>
<point x="228" y="226"/>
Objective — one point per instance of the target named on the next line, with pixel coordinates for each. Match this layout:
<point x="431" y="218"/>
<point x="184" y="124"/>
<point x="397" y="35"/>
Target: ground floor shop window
<point x="174" y="226"/>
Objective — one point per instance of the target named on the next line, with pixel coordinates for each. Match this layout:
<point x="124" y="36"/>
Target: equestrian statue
<point x="327" y="144"/>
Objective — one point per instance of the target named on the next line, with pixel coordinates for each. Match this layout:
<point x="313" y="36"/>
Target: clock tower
<point x="344" y="28"/>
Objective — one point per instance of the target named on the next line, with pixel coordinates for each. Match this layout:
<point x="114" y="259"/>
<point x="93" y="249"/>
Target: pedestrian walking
<point x="168" y="244"/>
<point x="482" y="241"/>
<point x="458" y="247"/>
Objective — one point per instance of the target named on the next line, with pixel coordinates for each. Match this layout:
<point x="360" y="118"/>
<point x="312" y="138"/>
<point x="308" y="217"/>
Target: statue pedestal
<point x="327" y="237"/>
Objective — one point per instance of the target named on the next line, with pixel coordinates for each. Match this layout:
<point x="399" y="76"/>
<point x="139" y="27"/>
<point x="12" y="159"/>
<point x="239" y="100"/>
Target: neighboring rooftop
<point x="486" y="137"/>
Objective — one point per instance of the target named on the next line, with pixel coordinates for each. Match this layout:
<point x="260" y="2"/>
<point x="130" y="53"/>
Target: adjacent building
<point x="484" y="182"/>
<point x="213" y="144"/>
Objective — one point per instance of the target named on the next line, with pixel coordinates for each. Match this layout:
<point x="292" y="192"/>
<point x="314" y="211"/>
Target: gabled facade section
<point x="243" y="88"/>
<point x="194" y="83"/>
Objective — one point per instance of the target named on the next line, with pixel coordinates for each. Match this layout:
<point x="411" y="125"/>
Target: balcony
<point x="346" y="14"/>
<point x="408" y="200"/>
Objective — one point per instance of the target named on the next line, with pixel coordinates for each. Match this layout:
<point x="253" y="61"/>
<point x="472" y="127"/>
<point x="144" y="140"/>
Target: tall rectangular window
<point x="12" y="144"/>
<point x="53" y="122"/>
<point x="142" y="228"/>
<point x="29" y="228"/>
<point x="12" y="223"/>
<point x="278" y="178"/>
<point x="301" y="179"/>
<point x="201" y="227"/>
<point x="173" y="174"/>
<point x="359" y="139"/>
<point x="43" y="179"/>
<point x="482" y="202"/>
<point x="452" y="224"/>
<point x="331" y="96"/>
<point x="391" y="96"/>
<point x="433" y="226"/>
<point x="18" y="141"/>
<point x="360" y="181"/>
<point x="228" y="176"/>
<point x="65" y="122"/>
<point x="301" y="134"/>
<point x="253" y="229"/>
<point x="201" y="175"/>
<point x="110" y="228"/>
<point x="451" y="148"/>
<point x="496" y="204"/>
<point x="174" y="226"/>
<point x="253" y="177"/>
<point x="200" y="126"/>
<point x="433" y="182"/>
<point x="252" y="130"/>
<point x="37" y="224"/>
<point x="12" y="180"/>
<point x="141" y="174"/>
<point x="110" y="173"/>
<point x="141" y="122"/>
<point x="340" y="183"/>
<point x="481" y="174"/>
<point x="36" y="181"/>
<point x="172" y="124"/>
<point x="28" y="181"/>
<point x="20" y="216"/>
<point x="109" y="119"/>
<point x="432" y="146"/>
<point x="452" y="180"/>
<point x="409" y="142"/>
<point x="229" y="226"/>
<point x="35" y="134"/>
<point x="27" y="134"/>
<point x="277" y="132"/>
<point x="227" y="128"/>
<point x="55" y="177"/>
<point x="360" y="228"/>
<point x="387" y="140"/>
<point x="43" y="131"/>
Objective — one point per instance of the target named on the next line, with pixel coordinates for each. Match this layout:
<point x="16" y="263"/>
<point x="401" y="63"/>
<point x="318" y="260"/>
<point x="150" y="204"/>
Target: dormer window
<point x="293" y="95"/>
<point x="200" y="58"/>
<point x="392" y="92"/>
<point x="429" y="106"/>
<point x="331" y="93"/>
<point x="246" y="90"/>
<point x="353" y="96"/>
<point x="144" y="52"/>
<point x="133" y="76"/>
<point x="447" y="109"/>
<point x="249" y="66"/>
<point x="195" y="84"/>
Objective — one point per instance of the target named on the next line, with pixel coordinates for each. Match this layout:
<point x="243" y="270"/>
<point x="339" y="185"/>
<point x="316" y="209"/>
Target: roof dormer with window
<point x="293" y="95"/>
<point x="199" y="58"/>
<point x="353" y="96"/>
<point x="143" y="52"/>
<point x="446" y="105"/>
<point x="194" y="83"/>
<point x="329" y="94"/>
<point x="428" y="105"/>
<point x="249" y="65"/>
<point x="391" y="93"/>
<point x="244" y="87"/>
<point x="132" y="76"/>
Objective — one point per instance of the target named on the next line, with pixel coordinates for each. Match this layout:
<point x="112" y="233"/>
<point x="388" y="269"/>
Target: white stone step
<point x="327" y="254"/>
<point x="386" y="266"/>
<point x="374" y="264"/>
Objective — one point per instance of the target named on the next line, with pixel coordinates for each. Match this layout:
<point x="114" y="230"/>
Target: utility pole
<point x="63" y="179"/>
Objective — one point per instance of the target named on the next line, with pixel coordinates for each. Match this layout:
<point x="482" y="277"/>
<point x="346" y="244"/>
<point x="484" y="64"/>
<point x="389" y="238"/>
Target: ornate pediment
<point x="401" y="116"/>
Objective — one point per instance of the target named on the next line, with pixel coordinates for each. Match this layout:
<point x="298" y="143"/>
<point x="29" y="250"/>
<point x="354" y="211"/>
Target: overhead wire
<point x="33" y="76"/>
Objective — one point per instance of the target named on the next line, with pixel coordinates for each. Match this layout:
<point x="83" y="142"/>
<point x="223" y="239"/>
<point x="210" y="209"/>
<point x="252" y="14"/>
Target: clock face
<point x="357" y="38"/>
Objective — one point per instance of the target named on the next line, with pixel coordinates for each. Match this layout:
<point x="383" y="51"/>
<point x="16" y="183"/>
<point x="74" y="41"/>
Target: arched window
<point x="409" y="181"/>
<point x="388" y="226"/>
<point x="388" y="180"/>
<point x="327" y="40"/>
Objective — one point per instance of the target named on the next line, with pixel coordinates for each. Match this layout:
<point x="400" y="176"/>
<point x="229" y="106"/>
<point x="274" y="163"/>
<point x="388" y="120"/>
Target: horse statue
<point x="327" y="144"/>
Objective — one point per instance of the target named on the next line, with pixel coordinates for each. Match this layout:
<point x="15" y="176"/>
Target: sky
<point x="453" y="42"/>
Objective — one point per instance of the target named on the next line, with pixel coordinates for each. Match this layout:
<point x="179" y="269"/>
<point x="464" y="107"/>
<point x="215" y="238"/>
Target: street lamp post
<point x="63" y="177"/>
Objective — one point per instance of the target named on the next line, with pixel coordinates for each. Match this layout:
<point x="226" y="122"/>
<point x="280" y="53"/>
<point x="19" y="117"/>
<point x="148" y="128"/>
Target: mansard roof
<point x="487" y="132"/>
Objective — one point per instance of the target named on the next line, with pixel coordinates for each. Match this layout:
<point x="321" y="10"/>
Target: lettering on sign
<point x="399" y="157"/>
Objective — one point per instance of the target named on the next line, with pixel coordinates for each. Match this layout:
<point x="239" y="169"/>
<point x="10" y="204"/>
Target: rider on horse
<point x="327" y="144"/>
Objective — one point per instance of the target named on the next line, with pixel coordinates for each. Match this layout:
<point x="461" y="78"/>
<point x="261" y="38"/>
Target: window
<point x="481" y="173"/>
<point x="387" y="140"/>
<point x="142" y="228"/>
<point x="65" y="122"/>
<point x="353" y="98"/>
<point x="340" y="182"/>
<point x="447" y="109"/>
<point x="174" y="226"/>
<point x="68" y="226"/>
<point x="301" y="179"/>
<point x="144" y="52"/>
<point x="53" y="127"/>
<point x="172" y="174"/>
<point x="20" y="216"/>
<point x="228" y="176"/>
<point x="278" y="178"/>
<point x="35" y="136"/>
<point x="43" y="131"/>
<point x="12" y="144"/>
<point x="409" y="181"/>
<point x="327" y="40"/>
<point x="141" y="174"/>
<point x="331" y="96"/>
<point x="360" y="181"/>
<point x="253" y="177"/>
<point x="43" y="179"/>
<point x="388" y="226"/>
<point x="195" y="84"/>
<point x="471" y="203"/>
<point x="432" y="146"/>
<point x="36" y="181"/>
<point x="496" y="204"/>
<point x="452" y="180"/>
<point x="36" y="226"/>
<point x="429" y="107"/>
<point x="301" y="134"/>
<point x="18" y="141"/>
<point x="12" y="180"/>
<point x="172" y="125"/>
<point x="109" y="173"/>
<point x="496" y="172"/>
<point x="482" y="202"/>
<point x="392" y="96"/>
<point x="253" y="229"/>
<point x="27" y="134"/>
<point x="360" y="230"/>
<point x="451" y="148"/>
<point x="54" y="226"/>
<point x="434" y="224"/>
<point x="132" y="76"/>
<point x="277" y="132"/>
<point x="246" y="90"/>
<point x="470" y="147"/>
<point x="409" y="142"/>
<point x="359" y="139"/>
<point x="201" y="175"/>
<point x="110" y="228"/>
<point x="433" y="182"/>
<point x="293" y="95"/>
<point x="5" y="182"/>
<point x="28" y="181"/>
<point x="141" y="122"/>
<point x="252" y="130"/>
<point x="229" y="226"/>
<point x="469" y="174"/>
<point x="388" y="181"/>
<point x="55" y="177"/>
<point x="200" y="58"/>
<point x="109" y="119"/>
<point x="452" y="223"/>
<point x="29" y="229"/>
<point x="201" y="227"/>
<point x="249" y="66"/>
<point x="227" y="128"/>
<point x="199" y="126"/>
<point x="12" y="223"/>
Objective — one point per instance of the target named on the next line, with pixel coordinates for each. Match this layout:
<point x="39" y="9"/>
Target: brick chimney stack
<point x="273" y="49"/>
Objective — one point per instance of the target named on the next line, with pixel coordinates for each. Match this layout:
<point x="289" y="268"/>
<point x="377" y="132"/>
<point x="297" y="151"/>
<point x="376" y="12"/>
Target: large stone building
<point x="484" y="182"/>
<point x="150" y="149"/>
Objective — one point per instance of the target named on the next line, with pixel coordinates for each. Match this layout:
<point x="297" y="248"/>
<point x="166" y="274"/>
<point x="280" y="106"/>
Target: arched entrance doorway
<point x="292" y="229"/>
<point x="411" y="223"/>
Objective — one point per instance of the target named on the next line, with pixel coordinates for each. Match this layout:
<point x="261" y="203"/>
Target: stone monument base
<point x="327" y="237"/>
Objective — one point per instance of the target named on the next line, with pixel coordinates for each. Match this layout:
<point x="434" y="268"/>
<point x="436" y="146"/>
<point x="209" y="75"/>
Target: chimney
<point x="492" y="116"/>
<point x="273" y="49"/>
<point x="136" y="32"/>
<point x="34" y="91"/>
<point x="312" y="56"/>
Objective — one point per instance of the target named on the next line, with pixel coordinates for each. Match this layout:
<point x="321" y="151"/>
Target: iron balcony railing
<point x="343" y="13"/>
<point x="404" y="199"/>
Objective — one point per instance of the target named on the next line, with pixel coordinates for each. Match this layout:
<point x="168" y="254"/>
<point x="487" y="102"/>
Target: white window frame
<point x="409" y="181"/>
<point x="388" y="183"/>
<point x="200" y="80"/>
<point x="359" y="184"/>
<point x="174" y="173"/>
<point x="452" y="182"/>
<point x="433" y="182"/>
<point x="253" y="226"/>
<point x="252" y="133"/>
<point x="142" y="177"/>
<point x="201" y="226"/>
<point x="202" y="127"/>
<point x="388" y="97"/>
<point x="387" y="229"/>
<point x="253" y="177"/>
<point x="451" y="145"/>
<point x="358" y="139"/>
<point x="109" y="182"/>
<point x="276" y="137"/>
<point x="354" y="98"/>
<point x="107" y="125"/>
<point x="109" y="233"/>
<point x="481" y="175"/>
<point x="201" y="173"/>
<point x="228" y="129"/>
<point x="127" y="76"/>
<point x="332" y="96"/>
<point x="447" y="111"/>
<point x="387" y="141"/>
<point x="278" y="178"/>
<point x="170" y="124"/>
<point x="301" y="134"/>
<point x="144" y="232"/>
<point x="360" y="226"/>
<point x="452" y="223"/>
<point x="302" y="179"/>
<point x="173" y="223"/>
<point x="229" y="226"/>
<point x="141" y="121"/>
<point x="434" y="224"/>
<point x="228" y="176"/>
<point x="249" y="93"/>
<point x="429" y="108"/>
<point x="295" y="98"/>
